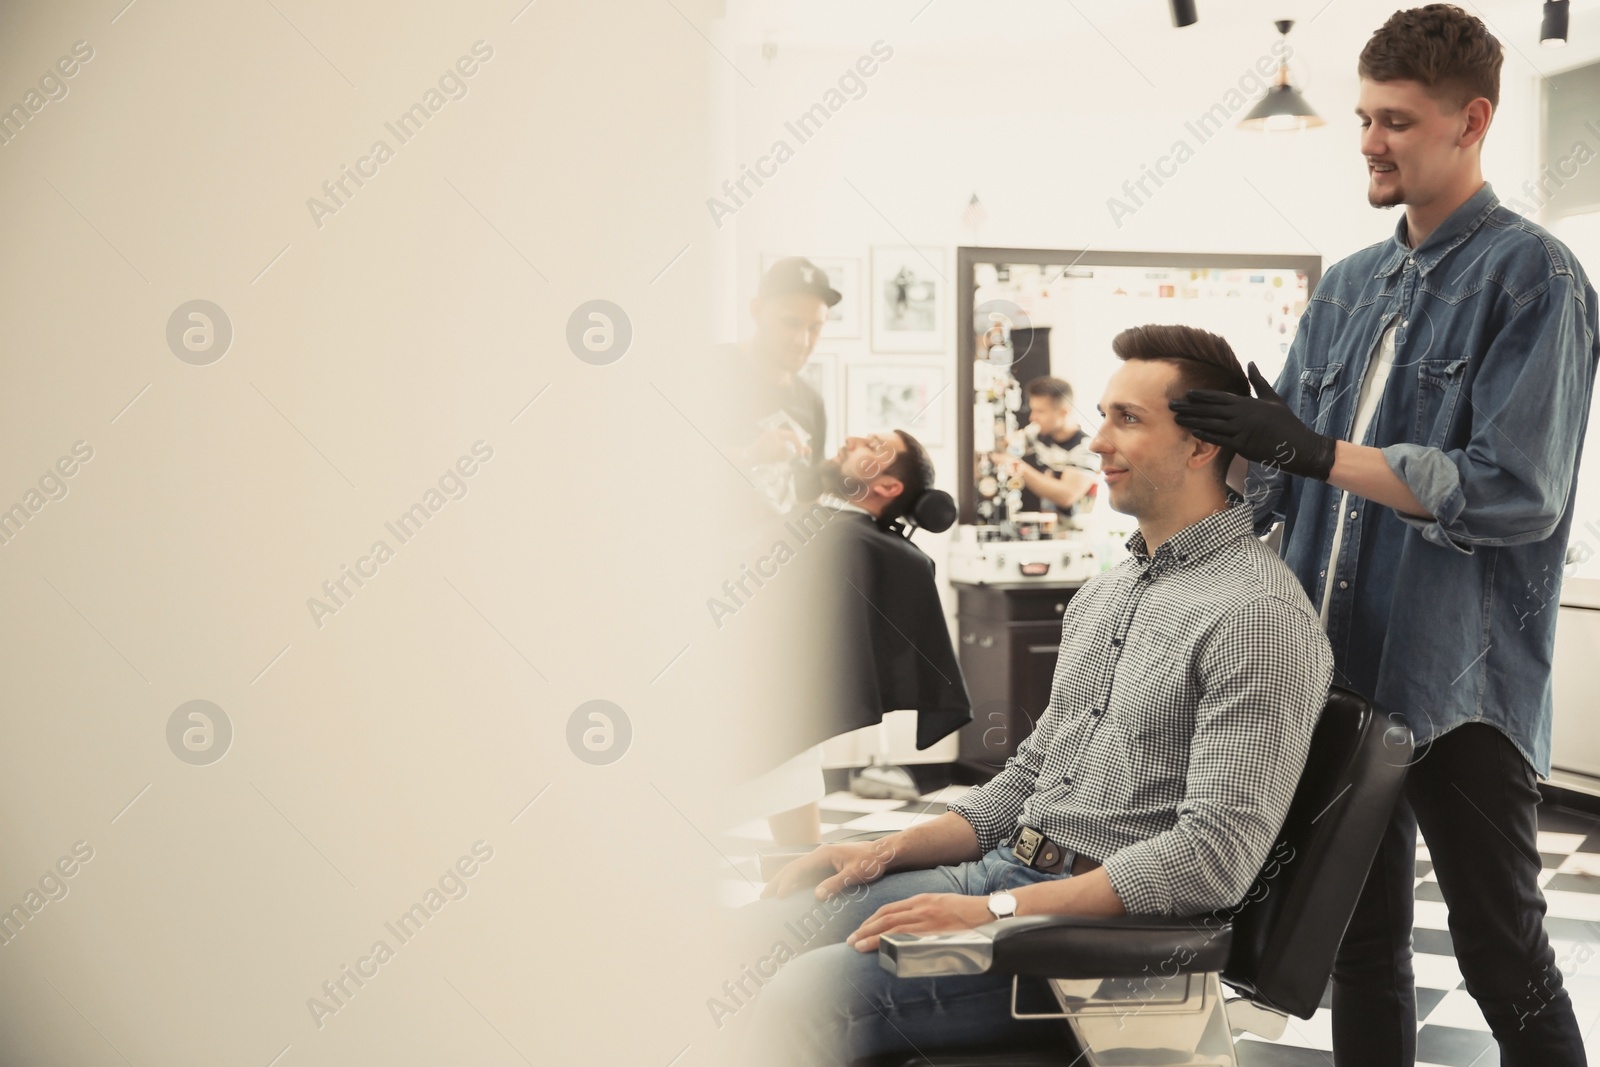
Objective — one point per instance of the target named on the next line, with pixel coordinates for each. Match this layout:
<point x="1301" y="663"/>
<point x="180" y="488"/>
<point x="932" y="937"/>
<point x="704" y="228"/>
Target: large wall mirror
<point x="1026" y="313"/>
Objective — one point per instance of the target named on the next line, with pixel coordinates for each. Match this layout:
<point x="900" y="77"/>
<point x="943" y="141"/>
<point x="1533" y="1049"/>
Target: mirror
<point x="1029" y="313"/>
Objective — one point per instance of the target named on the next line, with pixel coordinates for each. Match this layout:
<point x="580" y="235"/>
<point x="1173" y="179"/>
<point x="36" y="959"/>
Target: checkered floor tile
<point x="1451" y="1032"/>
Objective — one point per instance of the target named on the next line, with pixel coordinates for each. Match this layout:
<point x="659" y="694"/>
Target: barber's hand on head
<point x="832" y="869"/>
<point x="925" y="913"/>
<point x="1261" y="428"/>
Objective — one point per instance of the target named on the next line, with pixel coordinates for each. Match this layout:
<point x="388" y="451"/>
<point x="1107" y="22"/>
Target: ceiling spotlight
<point x="1183" y="13"/>
<point x="1283" y="108"/>
<point x="1553" y="30"/>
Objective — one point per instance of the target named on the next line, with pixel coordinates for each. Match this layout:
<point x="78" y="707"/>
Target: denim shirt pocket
<point x="1317" y="394"/>
<point x="1438" y="394"/>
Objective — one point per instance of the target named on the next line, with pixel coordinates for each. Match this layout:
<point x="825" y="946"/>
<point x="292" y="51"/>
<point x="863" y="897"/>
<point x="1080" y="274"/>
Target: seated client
<point x="1188" y="684"/>
<point x="858" y="618"/>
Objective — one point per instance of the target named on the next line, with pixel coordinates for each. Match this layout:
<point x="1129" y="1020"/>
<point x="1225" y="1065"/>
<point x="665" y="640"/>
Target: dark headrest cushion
<point x="934" y="511"/>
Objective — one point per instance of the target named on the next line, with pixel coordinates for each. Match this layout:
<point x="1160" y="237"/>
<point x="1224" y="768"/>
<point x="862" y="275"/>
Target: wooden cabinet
<point x="1008" y="638"/>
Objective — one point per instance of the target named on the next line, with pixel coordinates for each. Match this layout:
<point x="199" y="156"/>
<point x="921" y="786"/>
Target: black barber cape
<point x="858" y="617"/>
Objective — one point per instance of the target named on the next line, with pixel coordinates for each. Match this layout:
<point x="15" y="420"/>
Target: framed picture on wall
<point x="821" y="372"/>
<point x="844" y="274"/>
<point x="909" y="298"/>
<point x="896" y="396"/>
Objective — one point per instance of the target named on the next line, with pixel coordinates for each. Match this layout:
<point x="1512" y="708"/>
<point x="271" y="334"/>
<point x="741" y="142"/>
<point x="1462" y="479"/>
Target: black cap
<point x="797" y="274"/>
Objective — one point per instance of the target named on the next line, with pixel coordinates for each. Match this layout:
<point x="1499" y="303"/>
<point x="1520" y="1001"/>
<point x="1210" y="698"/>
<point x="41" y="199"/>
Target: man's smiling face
<point x="1410" y="138"/>
<point x="1143" y="451"/>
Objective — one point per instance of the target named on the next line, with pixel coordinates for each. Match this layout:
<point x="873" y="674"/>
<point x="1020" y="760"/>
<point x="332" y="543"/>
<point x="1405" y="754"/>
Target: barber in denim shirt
<point x="1422" y="459"/>
<point x="1449" y="619"/>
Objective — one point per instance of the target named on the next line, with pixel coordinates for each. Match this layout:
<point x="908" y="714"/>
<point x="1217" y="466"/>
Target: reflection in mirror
<point x="1037" y="355"/>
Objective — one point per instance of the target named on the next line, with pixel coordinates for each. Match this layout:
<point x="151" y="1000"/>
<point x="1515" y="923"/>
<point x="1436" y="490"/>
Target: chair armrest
<point x="1063" y="946"/>
<point x="937" y="955"/>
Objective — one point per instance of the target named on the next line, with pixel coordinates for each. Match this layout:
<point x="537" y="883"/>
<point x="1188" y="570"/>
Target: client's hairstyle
<point x="1203" y="361"/>
<point x="1056" y="389"/>
<point x="1440" y="46"/>
<point x="914" y="468"/>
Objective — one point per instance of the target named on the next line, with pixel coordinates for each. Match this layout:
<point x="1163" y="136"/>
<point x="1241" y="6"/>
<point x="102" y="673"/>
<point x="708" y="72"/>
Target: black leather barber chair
<point x="1141" y="992"/>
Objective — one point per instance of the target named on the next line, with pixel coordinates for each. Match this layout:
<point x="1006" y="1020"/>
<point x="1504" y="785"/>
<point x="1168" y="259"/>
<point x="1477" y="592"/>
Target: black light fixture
<point x="1283" y="108"/>
<point x="1183" y="13"/>
<point x="1553" y="29"/>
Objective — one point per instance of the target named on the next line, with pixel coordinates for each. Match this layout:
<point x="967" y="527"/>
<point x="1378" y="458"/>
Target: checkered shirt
<point x="1185" y="694"/>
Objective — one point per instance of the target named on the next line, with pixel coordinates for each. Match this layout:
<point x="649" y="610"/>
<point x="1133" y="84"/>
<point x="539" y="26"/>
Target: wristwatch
<point x="1002" y="905"/>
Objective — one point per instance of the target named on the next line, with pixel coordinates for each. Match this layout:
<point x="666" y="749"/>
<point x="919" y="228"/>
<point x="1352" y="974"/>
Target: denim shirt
<point x="1448" y="620"/>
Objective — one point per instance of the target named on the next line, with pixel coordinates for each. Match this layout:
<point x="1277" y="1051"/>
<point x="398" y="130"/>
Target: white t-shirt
<point x="1372" y="385"/>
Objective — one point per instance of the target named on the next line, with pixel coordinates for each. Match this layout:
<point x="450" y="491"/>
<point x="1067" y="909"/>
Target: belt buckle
<point x="1028" y="842"/>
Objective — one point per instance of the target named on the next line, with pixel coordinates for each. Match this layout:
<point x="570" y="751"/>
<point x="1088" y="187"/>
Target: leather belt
<point x="1042" y="854"/>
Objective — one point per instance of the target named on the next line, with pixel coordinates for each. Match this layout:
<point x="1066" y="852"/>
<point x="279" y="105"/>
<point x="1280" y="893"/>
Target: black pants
<point x="1475" y="800"/>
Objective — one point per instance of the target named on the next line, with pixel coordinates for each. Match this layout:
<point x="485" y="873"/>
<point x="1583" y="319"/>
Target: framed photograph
<point x="844" y="274"/>
<point x="821" y="372"/>
<point x="909" y="298"/>
<point x="896" y="396"/>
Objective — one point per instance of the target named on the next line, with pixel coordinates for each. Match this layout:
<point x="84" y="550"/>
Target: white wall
<point x="370" y="752"/>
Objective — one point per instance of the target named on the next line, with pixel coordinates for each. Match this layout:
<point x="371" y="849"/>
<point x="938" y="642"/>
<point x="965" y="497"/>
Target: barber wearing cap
<point x="779" y="445"/>
<point x="789" y="423"/>
<point x="1421" y="449"/>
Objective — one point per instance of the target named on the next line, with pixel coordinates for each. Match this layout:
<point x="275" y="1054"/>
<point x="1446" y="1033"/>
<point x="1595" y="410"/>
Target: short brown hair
<point x="1057" y="389"/>
<point x="914" y="467"/>
<point x="1203" y="361"/>
<point x="1441" y="46"/>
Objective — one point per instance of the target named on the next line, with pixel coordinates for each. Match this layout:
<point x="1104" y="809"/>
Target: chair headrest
<point x="933" y="510"/>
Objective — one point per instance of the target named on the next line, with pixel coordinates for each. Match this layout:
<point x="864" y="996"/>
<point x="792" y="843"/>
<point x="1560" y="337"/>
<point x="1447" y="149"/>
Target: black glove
<point x="1260" y="428"/>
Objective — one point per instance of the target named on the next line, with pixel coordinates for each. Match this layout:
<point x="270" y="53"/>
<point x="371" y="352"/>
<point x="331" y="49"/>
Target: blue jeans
<point x="830" y="1004"/>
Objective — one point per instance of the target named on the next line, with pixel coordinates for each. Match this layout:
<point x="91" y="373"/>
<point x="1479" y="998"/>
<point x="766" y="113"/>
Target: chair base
<point x="1175" y="1022"/>
<point x="1172" y="1022"/>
